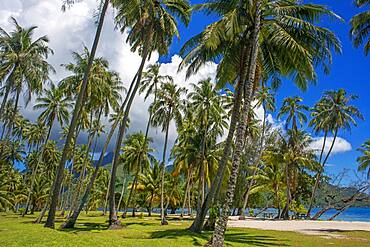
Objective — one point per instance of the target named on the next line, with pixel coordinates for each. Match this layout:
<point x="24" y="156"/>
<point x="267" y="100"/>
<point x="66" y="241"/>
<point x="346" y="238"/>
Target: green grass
<point x="91" y="231"/>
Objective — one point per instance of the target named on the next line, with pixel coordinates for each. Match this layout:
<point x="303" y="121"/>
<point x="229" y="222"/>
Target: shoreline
<point x="309" y="227"/>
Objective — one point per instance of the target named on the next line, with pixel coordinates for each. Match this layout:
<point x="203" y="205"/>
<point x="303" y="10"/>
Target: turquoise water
<point x="351" y="214"/>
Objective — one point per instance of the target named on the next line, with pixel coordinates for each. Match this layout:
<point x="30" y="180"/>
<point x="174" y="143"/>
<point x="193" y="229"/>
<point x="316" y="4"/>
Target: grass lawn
<point x="91" y="231"/>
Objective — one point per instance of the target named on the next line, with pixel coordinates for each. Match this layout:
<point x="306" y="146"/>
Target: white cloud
<point x="69" y="31"/>
<point x="340" y="146"/>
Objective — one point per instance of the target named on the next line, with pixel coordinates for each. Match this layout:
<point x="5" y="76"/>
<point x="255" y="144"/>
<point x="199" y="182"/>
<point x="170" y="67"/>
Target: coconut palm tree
<point x="207" y="103"/>
<point x="55" y="107"/>
<point x="167" y="108"/>
<point x="136" y="157"/>
<point x="152" y="27"/>
<point x="265" y="99"/>
<point x="332" y="113"/>
<point x="75" y="116"/>
<point x="150" y="83"/>
<point x="278" y="55"/>
<point x="295" y="112"/>
<point x="359" y="26"/>
<point x="23" y="64"/>
<point x="364" y="159"/>
<point x="150" y="183"/>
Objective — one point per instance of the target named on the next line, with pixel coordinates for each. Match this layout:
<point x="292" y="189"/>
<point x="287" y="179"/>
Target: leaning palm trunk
<point x="113" y="220"/>
<point x="318" y="175"/>
<point x="217" y="181"/>
<point x="187" y="187"/>
<point x="130" y="196"/>
<point x="247" y="193"/>
<point x="76" y="113"/>
<point x="221" y="224"/>
<point x="163" y="171"/>
<point x="81" y="179"/>
<point x="122" y="191"/>
<point x="70" y="223"/>
<point x="34" y="172"/>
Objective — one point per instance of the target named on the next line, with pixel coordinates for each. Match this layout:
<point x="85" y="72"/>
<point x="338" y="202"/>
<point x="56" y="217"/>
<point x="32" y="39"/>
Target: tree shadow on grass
<point x="86" y="227"/>
<point x="230" y="238"/>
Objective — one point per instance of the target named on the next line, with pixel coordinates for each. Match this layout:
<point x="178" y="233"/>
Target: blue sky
<point x="349" y="71"/>
<point x="71" y="30"/>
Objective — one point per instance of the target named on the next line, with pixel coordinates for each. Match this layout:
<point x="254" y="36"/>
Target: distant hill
<point x="345" y="192"/>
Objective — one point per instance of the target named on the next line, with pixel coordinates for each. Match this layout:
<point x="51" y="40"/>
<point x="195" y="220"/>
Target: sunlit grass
<point x="91" y="231"/>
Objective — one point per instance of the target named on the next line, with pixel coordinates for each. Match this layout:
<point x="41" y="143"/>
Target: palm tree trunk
<point x="221" y="224"/>
<point x="113" y="220"/>
<point x="319" y="173"/>
<point x="5" y="99"/>
<point x="70" y="223"/>
<point x="197" y="224"/>
<point x="130" y="196"/>
<point x="11" y="120"/>
<point x="256" y="163"/>
<point x="285" y="213"/>
<point x="163" y="170"/>
<point x="186" y="192"/>
<point x="76" y="113"/>
<point x="122" y="191"/>
<point x="34" y="172"/>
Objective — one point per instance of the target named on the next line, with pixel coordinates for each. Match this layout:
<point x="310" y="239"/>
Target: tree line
<point x="225" y="158"/>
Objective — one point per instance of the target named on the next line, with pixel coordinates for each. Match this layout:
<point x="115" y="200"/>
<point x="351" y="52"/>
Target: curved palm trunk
<point x="76" y="197"/>
<point x="197" y="225"/>
<point x="113" y="220"/>
<point x="221" y="224"/>
<point x="70" y="223"/>
<point x="187" y="186"/>
<point x="130" y="196"/>
<point x="76" y="113"/>
<point x="122" y="191"/>
<point x="285" y="213"/>
<point x="318" y="175"/>
<point x="34" y="172"/>
<point x="163" y="170"/>
<point x="11" y="120"/>
<point x="5" y="99"/>
<point x="242" y="216"/>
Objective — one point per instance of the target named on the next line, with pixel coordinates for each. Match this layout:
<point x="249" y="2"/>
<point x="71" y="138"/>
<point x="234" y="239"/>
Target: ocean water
<point x="351" y="214"/>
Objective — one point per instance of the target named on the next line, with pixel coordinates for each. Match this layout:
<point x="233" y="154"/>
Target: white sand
<point x="302" y="226"/>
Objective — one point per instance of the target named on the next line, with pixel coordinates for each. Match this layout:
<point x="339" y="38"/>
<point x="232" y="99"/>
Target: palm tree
<point x="75" y="116"/>
<point x="23" y="64"/>
<point x="152" y="27"/>
<point x="167" y="108"/>
<point x="359" y="27"/>
<point x="332" y="113"/>
<point x="150" y="83"/>
<point x="55" y="106"/>
<point x="150" y="182"/>
<point x="295" y="112"/>
<point x="278" y="55"/>
<point x="136" y="158"/>
<point x="266" y="100"/>
<point x="207" y="103"/>
<point x="364" y="159"/>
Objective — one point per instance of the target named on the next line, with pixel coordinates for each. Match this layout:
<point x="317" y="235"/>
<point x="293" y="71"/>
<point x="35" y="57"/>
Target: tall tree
<point x="291" y="42"/>
<point x="23" y="66"/>
<point x="333" y="112"/>
<point x="167" y="108"/>
<point x="76" y="114"/>
<point x="152" y="27"/>
<point x="295" y="111"/>
<point x="360" y="28"/>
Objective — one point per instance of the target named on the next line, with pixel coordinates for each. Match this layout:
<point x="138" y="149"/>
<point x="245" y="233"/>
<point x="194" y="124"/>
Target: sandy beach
<point x="302" y="226"/>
